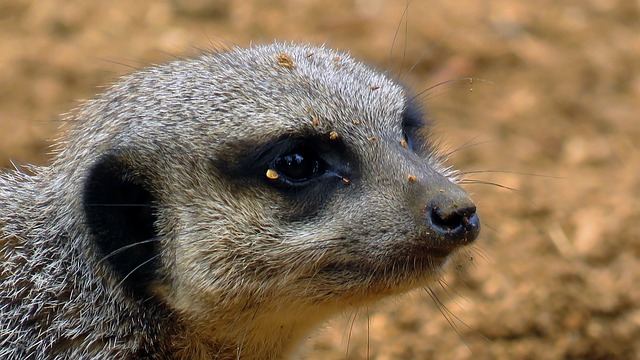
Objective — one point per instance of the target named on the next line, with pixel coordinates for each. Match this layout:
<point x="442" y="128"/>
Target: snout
<point x="453" y="220"/>
<point x="445" y="214"/>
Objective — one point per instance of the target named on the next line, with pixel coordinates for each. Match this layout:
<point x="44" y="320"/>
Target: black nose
<point x="455" y="224"/>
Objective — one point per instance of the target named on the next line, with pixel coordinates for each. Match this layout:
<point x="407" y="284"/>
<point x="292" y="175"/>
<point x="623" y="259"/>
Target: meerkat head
<point x="281" y="179"/>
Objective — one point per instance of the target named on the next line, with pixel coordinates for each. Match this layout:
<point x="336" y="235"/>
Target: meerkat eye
<point x="412" y="124"/>
<point x="408" y="140"/>
<point x="298" y="165"/>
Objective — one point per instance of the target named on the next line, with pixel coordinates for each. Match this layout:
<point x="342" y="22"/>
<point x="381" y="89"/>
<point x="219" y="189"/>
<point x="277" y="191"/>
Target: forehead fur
<point x="280" y="89"/>
<point x="290" y="85"/>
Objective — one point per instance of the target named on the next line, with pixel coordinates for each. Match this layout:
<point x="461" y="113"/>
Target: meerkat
<point x="224" y="207"/>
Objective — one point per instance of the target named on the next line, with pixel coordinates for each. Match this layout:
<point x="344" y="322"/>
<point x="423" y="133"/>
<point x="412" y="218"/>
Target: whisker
<point x="448" y="316"/>
<point x="490" y="228"/>
<point x="456" y="318"/>
<point x="452" y="293"/>
<point x="123" y="64"/>
<point x="126" y="247"/>
<point x="490" y="183"/>
<point x="405" y="15"/>
<point x="469" y="144"/>
<point x="120" y="205"/>
<point x="433" y="45"/>
<point x="498" y="185"/>
<point x="478" y="250"/>
<point x="469" y="80"/>
<point x="368" y="333"/>
<point x="395" y="37"/>
<point x="138" y="267"/>
<point x="508" y="172"/>
<point x="354" y="312"/>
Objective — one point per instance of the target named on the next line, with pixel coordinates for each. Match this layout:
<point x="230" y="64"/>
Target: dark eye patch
<point x="302" y="171"/>
<point x="298" y="161"/>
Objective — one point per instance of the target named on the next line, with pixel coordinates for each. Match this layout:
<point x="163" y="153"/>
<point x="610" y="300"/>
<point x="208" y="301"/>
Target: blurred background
<point x="552" y="112"/>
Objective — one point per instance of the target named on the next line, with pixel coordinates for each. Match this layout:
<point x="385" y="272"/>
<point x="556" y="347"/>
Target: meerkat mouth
<point x="415" y="263"/>
<point x="364" y="281"/>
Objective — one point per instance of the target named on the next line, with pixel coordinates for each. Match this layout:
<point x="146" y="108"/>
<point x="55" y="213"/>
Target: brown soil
<point x="553" y="107"/>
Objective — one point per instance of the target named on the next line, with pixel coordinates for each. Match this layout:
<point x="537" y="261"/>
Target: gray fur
<point x="236" y="278"/>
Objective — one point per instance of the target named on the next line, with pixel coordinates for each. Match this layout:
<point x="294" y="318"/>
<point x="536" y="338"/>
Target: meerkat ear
<point x="120" y="214"/>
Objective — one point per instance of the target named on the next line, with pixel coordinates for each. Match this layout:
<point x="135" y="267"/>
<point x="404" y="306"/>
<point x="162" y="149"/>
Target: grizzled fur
<point x="169" y="225"/>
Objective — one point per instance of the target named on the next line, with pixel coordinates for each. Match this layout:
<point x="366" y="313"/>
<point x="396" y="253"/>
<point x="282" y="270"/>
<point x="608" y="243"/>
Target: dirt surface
<point x="553" y="108"/>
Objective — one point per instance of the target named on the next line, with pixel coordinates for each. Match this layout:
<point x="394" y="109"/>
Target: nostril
<point x="447" y="220"/>
<point x="455" y="224"/>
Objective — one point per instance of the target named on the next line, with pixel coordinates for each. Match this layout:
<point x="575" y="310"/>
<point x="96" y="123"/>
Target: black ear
<point x="120" y="214"/>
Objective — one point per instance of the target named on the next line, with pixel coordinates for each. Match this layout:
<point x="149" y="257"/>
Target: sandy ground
<point x="552" y="112"/>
